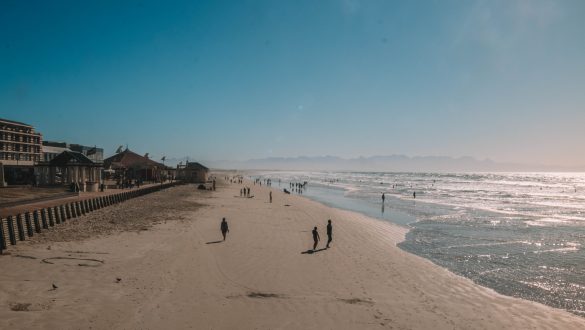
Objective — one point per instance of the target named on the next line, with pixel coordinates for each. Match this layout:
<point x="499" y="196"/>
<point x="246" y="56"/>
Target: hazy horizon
<point x="240" y="80"/>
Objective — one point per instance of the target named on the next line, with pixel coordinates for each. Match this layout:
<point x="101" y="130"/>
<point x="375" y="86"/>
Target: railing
<point x="20" y="226"/>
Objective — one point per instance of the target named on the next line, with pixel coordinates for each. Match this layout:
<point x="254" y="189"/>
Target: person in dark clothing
<point x="271" y="197"/>
<point x="224" y="228"/>
<point x="383" y="198"/>
<point x="316" y="238"/>
<point x="329" y="233"/>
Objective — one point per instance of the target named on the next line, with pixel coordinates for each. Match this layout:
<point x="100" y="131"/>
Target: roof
<point x="15" y="122"/>
<point x="54" y="150"/>
<point x="67" y="158"/>
<point x="195" y="166"/>
<point x="129" y="159"/>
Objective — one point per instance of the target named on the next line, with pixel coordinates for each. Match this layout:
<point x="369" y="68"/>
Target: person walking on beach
<point x="270" y="196"/>
<point x="316" y="238"/>
<point x="383" y="198"/>
<point x="224" y="228"/>
<point x="329" y="233"/>
<point x="414" y="195"/>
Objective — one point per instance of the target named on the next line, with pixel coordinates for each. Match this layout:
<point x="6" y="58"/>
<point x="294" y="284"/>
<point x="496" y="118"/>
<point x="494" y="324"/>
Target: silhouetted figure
<point x="329" y="233"/>
<point x="414" y="195"/>
<point x="270" y="196"/>
<point x="248" y="191"/>
<point x="316" y="238"/>
<point x="383" y="198"/>
<point x="224" y="228"/>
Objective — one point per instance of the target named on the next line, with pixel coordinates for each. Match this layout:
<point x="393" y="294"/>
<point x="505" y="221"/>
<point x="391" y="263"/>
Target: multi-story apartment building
<point x="20" y="150"/>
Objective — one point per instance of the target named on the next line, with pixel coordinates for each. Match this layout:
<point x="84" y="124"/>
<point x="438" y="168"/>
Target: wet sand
<point x="157" y="262"/>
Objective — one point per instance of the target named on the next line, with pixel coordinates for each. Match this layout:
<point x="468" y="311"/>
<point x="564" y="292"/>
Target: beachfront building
<point x="94" y="153"/>
<point x="70" y="168"/>
<point x="128" y="165"/>
<point x="20" y="150"/>
<point x="192" y="172"/>
<point x="50" y="152"/>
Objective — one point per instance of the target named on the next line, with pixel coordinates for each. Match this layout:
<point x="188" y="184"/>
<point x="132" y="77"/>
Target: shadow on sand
<point x="313" y="251"/>
<point x="214" y="242"/>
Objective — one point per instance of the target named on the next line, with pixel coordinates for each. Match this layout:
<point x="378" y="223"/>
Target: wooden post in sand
<point x="29" y="228"/>
<point x="11" y="233"/>
<point x="82" y="207"/>
<point x="73" y="210"/>
<point x="66" y="215"/>
<point x="44" y="219"/>
<point x="2" y="237"/>
<point x="19" y="225"/>
<point x="79" y="209"/>
<point x="57" y="215"/>
<point x="51" y="218"/>
<point x="36" y="220"/>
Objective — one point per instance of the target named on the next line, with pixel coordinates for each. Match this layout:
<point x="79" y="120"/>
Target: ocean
<point x="521" y="234"/>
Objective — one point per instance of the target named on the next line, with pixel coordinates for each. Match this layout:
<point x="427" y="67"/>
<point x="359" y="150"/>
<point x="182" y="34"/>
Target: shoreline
<point x="497" y="263"/>
<point x="177" y="274"/>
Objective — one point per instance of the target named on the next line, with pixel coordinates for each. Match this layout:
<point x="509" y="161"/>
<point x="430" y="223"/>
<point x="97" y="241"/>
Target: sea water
<point x="521" y="234"/>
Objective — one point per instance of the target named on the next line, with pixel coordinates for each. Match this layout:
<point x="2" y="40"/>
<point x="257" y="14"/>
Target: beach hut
<point x="70" y="167"/>
<point x="192" y="172"/>
<point x="130" y="165"/>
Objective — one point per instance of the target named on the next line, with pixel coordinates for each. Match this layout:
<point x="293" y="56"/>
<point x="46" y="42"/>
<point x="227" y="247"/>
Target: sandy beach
<point x="157" y="262"/>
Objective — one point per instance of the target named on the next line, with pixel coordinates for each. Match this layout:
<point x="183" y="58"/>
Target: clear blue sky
<point x="246" y="79"/>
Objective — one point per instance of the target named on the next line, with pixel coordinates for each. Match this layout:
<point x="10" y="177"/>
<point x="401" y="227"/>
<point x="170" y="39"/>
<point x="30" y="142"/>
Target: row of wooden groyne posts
<point x="19" y="227"/>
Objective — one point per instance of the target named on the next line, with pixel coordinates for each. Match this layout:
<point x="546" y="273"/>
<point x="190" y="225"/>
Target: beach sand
<point x="157" y="262"/>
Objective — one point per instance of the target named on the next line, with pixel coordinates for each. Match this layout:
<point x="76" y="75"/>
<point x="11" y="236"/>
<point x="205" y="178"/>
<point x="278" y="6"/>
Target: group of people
<point x="245" y="192"/>
<point x="297" y="187"/>
<point x="316" y="238"/>
<point x="267" y="182"/>
<point x="234" y="179"/>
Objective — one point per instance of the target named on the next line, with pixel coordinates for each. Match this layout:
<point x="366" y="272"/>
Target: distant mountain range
<point x="399" y="163"/>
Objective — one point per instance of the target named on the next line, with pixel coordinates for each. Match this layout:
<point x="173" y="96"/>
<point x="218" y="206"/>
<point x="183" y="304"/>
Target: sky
<point x="234" y="80"/>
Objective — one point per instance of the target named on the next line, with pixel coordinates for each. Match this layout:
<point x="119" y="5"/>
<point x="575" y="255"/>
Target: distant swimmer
<point x="329" y="233"/>
<point x="414" y="195"/>
<point x="224" y="228"/>
<point x="316" y="238"/>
